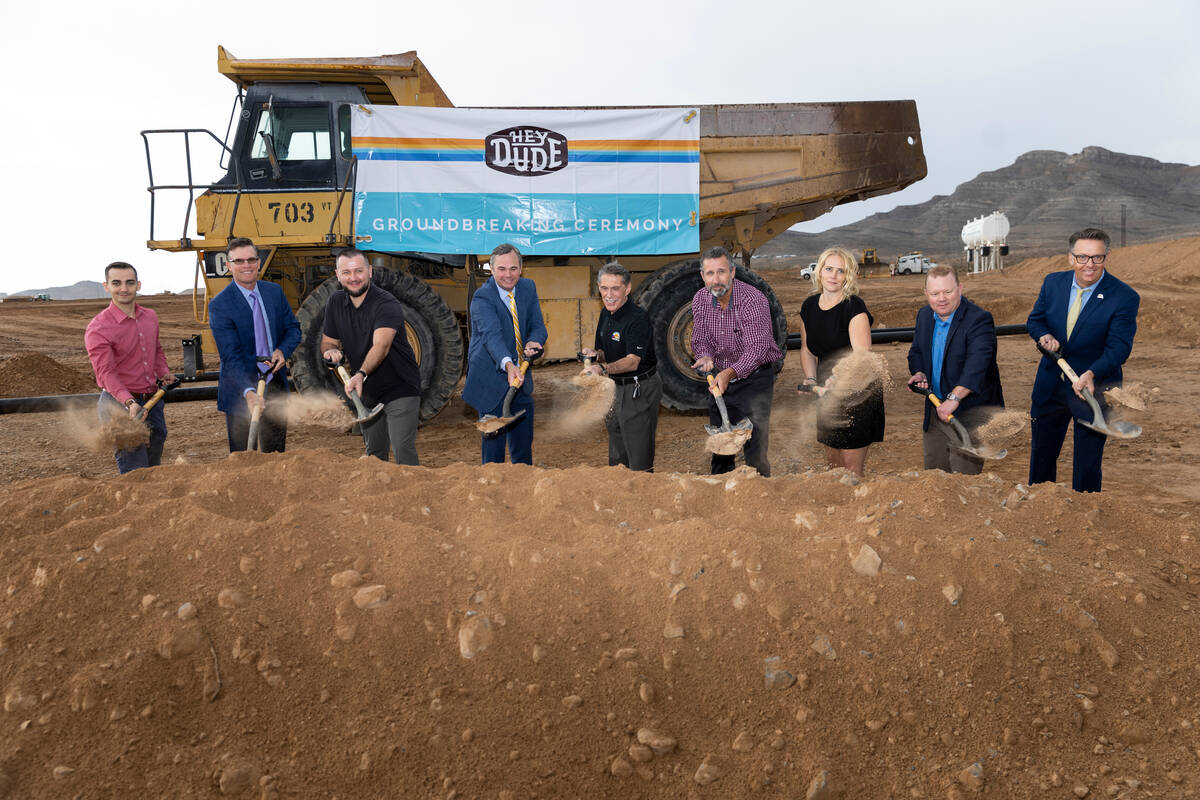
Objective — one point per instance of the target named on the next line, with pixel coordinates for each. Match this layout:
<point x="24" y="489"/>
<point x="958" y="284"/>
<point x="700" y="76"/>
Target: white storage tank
<point x="989" y="230"/>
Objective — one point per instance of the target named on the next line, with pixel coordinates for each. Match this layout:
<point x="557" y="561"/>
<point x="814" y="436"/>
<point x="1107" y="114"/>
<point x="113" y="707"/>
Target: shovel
<point x="492" y="426"/>
<point x="155" y="398"/>
<point x="725" y="427"/>
<point x="363" y="416"/>
<point x="1118" y="429"/>
<point x="965" y="446"/>
<point x="256" y="415"/>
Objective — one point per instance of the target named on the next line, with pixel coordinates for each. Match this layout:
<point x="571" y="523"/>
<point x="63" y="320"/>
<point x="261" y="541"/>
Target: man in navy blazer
<point x="953" y="355"/>
<point x="232" y="320"/>
<point x="493" y="362"/>
<point x="1090" y="317"/>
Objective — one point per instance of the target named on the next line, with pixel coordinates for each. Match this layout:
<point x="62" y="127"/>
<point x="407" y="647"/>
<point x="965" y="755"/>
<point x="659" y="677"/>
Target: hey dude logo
<point x="525" y="150"/>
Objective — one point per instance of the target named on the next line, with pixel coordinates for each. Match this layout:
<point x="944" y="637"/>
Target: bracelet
<point x="603" y="370"/>
<point x="812" y="378"/>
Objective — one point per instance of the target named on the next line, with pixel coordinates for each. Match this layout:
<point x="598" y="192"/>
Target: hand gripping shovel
<point x="726" y="439"/>
<point x="1118" y="429"/>
<point x="256" y="414"/>
<point x="492" y="426"/>
<point x="156" y="397"/>
<point x="363" y="416"/>
<point x="965" y="446"/>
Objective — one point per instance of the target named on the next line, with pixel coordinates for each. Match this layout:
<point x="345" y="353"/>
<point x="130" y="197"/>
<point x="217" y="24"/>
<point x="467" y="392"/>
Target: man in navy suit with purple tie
<point x="251" y="319"/>
<point x="1090" y="317"/>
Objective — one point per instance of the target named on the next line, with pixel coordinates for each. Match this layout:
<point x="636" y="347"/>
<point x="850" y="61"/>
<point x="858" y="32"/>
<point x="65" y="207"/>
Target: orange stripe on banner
<point x="407" y="144"/>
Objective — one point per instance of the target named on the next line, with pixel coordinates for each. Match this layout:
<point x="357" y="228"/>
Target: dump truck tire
<point x="430" y="326"/>
<point x="667" y="298"/>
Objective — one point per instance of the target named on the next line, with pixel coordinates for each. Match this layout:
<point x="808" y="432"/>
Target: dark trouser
<point x="147" y="455"/>
<point x="749" y="398"/>
<point x="632" y="423"/>
<point x="941" y="444"/>
<point x="1049" y="430"/>
<point x="272" y="426"/>
<point x="397" y="426"/>
<point x="518" y="436"/>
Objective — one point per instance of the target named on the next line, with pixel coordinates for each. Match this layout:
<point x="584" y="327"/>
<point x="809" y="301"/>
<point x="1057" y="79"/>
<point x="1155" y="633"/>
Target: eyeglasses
<point x="244" y="262"/>
<point x="1094" y="259"/>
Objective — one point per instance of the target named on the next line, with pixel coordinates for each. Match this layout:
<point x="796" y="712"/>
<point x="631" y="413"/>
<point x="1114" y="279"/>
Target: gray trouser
<point x="941" y="443"/>
<point x="632" y="423"/>
<point x="397" y="425"/>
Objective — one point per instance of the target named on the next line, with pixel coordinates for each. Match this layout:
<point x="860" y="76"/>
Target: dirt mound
<point x="310" y="625"/>
<point x="35" y="375"/>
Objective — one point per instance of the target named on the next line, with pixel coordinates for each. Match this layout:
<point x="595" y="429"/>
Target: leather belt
<point x="619" y="381"/>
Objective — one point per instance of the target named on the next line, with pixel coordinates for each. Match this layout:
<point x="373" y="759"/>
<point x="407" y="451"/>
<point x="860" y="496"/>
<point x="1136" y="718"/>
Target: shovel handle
<point x="151" y="403"/>
<point x="523" y="368"/>
<point x="930" y="396"/>
<point x="1062" y="362"/>
<point x="358" y="403"/>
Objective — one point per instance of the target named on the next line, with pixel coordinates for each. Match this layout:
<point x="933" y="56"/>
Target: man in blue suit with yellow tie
<point x="506" y="329"/>
<point x="1090" y="317"/>
<point x="251" y="319"/>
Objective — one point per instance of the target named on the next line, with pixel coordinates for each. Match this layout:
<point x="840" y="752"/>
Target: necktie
<point x="262" y="343"/>
<point x="1073" y="311"/>
<point x="512" y="309"/>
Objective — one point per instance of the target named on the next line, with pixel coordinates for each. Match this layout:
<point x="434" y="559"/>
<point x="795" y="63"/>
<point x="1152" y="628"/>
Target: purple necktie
<point x="262" y="344"/>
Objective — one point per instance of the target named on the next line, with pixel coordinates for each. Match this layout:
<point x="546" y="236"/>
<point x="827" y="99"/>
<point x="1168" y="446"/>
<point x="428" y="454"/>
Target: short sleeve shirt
<point x="827" y="333"/>
<point x="626" y="332"/>
<point x="398" y="375"/>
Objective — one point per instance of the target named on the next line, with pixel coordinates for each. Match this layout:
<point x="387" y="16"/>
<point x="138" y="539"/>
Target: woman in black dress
<point x="834" y="321"/>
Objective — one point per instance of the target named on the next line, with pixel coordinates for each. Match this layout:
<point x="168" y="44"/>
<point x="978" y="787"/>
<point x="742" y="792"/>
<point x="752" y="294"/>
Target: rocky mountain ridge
<point x="1045" y="194"/>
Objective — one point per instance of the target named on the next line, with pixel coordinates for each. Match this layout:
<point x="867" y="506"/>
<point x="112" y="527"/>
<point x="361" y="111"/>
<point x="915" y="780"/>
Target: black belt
<point x="620" y="381"/>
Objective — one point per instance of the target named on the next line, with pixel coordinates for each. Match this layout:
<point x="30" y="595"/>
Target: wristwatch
<point x="129" y="403"/>
<point x="363" y="373"/>
<point x="953" y="396"/>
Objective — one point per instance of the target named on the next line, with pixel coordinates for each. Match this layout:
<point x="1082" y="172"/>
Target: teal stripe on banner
<point x="560" y="224"/>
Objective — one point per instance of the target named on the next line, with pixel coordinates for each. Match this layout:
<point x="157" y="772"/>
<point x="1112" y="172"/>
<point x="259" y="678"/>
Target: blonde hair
<point x="851" y="264"/>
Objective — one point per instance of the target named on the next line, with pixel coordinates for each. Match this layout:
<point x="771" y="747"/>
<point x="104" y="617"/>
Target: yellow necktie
<point x="1073" y="311"/>
<point x="512" y="308"/>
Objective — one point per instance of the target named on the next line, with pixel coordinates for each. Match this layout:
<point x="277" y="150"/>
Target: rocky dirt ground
<point x="316" y="625"/>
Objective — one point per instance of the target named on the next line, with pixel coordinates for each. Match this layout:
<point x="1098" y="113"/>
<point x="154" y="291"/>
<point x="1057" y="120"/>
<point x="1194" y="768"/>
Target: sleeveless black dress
<point x="860" y="421"/>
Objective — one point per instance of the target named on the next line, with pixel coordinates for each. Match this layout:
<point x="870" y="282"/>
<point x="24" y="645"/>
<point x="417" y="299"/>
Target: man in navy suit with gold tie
<point x="1090" y="317"/>
<point x="506" y="329"/>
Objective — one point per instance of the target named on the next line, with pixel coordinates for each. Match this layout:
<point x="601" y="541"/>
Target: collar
<point x="118" y="315"/>
<point x="620" y="312"/>
<point x="1075" y="284"/>
<point x="946" y="322"/>
<point x="732" y="288"/>
<point x="247" y="292"/>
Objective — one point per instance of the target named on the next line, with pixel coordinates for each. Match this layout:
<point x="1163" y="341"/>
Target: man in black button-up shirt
<point x="624" y="351"/>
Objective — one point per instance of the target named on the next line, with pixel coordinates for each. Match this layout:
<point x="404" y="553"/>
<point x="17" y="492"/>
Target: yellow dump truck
<point x="763" y="168"/>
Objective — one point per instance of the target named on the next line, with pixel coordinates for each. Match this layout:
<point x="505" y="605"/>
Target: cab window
<point x="299" y="133"/>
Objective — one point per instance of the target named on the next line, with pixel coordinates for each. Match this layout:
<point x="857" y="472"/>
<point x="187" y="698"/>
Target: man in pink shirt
<point x="122" y="342"/>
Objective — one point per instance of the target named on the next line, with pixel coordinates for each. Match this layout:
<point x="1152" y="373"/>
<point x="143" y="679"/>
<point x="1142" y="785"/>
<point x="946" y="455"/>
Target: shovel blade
<point x="1117" y="429"/>
<point x="492" y="426"/>
<point x="370" y="415"/>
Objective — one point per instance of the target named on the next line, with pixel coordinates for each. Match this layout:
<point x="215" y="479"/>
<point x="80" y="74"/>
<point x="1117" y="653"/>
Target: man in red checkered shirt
<point x="732" y="335"/>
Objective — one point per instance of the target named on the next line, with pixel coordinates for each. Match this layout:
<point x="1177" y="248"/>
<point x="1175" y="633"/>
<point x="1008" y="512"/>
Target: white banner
<point x="551" y="182"/>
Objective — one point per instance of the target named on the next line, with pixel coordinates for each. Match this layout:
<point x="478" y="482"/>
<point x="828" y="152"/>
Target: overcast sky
<point x="81" y="80"/>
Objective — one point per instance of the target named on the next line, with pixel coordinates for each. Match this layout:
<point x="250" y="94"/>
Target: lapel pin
<point x="1099" y="297"/>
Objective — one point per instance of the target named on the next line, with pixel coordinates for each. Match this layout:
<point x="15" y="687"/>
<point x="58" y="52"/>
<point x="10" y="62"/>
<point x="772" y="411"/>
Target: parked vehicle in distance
<point x="913" y="263"/>
<point x="807" y="272"/>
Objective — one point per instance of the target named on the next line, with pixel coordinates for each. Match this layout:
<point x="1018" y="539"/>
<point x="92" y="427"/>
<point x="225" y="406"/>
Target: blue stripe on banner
<point x="557" y="224"/>
<point x="581" y="157"/>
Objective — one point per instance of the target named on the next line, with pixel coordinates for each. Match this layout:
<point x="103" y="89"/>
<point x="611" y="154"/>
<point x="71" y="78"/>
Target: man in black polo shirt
<point x="367" y="325"/>
<point x="624" y="351"/>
